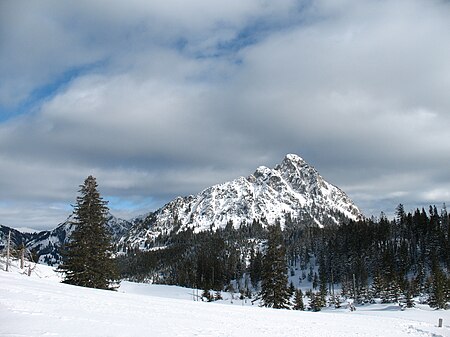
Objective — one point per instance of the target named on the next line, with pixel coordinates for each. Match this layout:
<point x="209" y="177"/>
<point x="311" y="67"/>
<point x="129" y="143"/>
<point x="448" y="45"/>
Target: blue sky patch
<point x="46" y="92"/>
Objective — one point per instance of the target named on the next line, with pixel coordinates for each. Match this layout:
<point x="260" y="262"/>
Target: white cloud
<point x="167" y="99"/>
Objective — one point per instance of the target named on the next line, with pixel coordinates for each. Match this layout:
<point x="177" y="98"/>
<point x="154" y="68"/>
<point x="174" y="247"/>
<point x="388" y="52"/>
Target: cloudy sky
<point x="167" y="97"/>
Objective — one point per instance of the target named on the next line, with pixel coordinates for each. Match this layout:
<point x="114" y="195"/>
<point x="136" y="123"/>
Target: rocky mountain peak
<point x="292" y="188"/>
<point x="295" y="159"/>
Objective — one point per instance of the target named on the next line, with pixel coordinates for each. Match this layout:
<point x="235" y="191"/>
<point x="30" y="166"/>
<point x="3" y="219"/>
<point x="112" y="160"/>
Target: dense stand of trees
<point x="394" y="260"/>
<point x="206" y="260"/>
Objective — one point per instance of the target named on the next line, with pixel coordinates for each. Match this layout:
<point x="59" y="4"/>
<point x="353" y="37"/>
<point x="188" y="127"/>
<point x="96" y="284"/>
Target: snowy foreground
<point x="41" y="306"/>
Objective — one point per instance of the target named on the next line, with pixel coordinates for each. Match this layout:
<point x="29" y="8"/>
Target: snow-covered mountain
<point x="47" y="244"/>
<point x="292" y="189"/>
<point x="17" y="238"/>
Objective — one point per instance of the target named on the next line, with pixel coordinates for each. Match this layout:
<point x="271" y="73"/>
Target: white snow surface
<point x="41" y="306"/>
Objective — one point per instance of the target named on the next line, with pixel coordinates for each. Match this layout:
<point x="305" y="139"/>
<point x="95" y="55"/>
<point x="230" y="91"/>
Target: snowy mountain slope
<point x="292" y="188"/>
<point x="40" y="306"/>
<point x="17" y="238"/>
<point x="46" y="244"/>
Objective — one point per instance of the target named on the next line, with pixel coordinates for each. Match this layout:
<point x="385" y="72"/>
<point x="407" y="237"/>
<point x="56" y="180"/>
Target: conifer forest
<point x="392" y="260"/>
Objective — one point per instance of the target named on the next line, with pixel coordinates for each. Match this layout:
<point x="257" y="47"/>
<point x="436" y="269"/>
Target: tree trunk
<point x="22" y="257"/>
<point x="8" y="247"/>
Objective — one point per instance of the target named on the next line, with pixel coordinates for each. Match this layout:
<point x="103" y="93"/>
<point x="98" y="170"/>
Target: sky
<point x="158" y="99"/>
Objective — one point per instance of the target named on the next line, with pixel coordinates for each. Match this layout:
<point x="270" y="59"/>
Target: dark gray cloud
<point x="162" y="99"/>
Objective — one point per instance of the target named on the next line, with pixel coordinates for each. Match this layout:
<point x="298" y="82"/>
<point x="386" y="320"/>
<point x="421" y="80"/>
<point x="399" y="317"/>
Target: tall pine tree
<point x="274" y="288"/>
<point x="87" y="259"/>
<point x="438" y="291"/>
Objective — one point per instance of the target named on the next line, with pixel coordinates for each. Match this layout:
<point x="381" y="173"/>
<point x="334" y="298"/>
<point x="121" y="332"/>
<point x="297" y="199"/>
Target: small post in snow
<point x="440" y="323"/>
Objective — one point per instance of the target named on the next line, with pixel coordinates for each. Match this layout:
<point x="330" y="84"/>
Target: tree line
<point x="393" y="260"/>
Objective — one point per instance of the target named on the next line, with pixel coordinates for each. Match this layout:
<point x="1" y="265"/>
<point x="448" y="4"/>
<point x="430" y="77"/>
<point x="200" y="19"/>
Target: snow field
<point x="41" y="306"/>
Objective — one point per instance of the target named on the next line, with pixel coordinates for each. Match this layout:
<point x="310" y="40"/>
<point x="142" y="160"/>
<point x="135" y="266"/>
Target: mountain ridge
<point x="291" y="190"/>
<point x="293" y="187"/>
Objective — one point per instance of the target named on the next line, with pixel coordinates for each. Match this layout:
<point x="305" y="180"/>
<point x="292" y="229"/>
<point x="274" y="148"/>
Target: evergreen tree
<point x="255" y="268"/>
<point x="274" y="289"/>
<point x="291" y="289"/>
<point x="298" y="300"/>
<point x="409" y="299"/>
<point x="391" y="292"/>
<point x="316" y="302"/>
<point x="322" y="288"/>
<point x="86" y="258"/>
<point x="315" y="281"/>
<point x="438" y="294"/>
<point x="338" y="301"/>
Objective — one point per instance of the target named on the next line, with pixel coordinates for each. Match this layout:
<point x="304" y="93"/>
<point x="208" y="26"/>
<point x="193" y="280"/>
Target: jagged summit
<point x="293" y="188"/>
<point x="297" y="163"/>
<point x="294" y="158"/>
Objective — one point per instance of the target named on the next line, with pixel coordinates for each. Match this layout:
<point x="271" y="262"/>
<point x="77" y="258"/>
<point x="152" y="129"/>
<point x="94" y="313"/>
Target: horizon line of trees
<point x="394" y="260"/>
